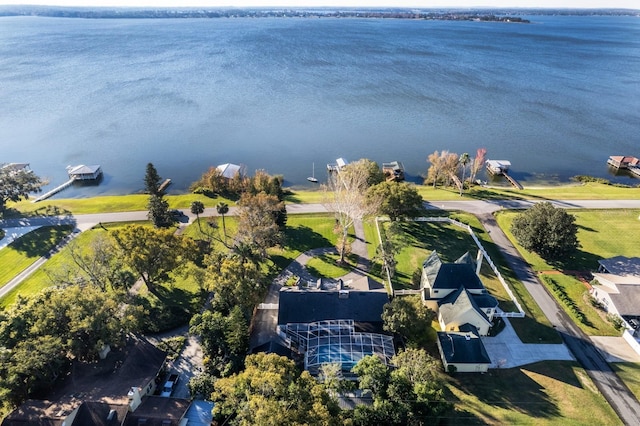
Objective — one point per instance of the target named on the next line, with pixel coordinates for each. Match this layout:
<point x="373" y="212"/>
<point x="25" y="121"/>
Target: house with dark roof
<point x="619" y="288"/>
<point x="97" y="390"/>
<point x="463" y="351"/>
<point x="332" y="323"/>
<point x="455" y="292"/>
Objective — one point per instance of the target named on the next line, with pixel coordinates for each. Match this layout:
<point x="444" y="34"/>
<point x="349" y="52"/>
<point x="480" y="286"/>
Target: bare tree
<point x="477" y="163"/>
<point x="435" y="169"/>
<point x="346" y="196"/>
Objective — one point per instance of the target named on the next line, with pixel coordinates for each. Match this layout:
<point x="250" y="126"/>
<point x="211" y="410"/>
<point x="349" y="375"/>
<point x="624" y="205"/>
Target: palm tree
<point x="464" y="160"/>
<point x="223" y="208"/>
<point x="197" y="207"/>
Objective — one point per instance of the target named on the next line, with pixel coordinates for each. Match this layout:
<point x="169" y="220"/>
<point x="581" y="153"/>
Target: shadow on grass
<point x="451" y="243"/>
<point x="531" y="331"/>
<point x="303" y="238"/>
<point x="513" y="390"/>
<point x="40" y="241"/>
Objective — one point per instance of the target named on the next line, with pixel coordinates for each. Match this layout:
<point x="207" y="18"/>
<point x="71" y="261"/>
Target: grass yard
<point x="594" y="322"/>
<point x="304" y="232"/>
<point x="602" y="234"/>
<point x="326" y="266"/>
<point x="111" y="203"/>
<point x="21" y="253"/>
<point x="451" y="242"/>
<point x="201" y="229"/>
<point x="60" y="263"/>
<point x="629" y="372"/>
<point x="545" y="393"/>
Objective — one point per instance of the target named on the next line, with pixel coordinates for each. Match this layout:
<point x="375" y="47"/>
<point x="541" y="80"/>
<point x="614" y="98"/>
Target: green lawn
<point x="545" y="393"/>
<point x="59" y="263"/>
<point x="629" y="372"/>
<point x="22" y="252"/>
<point x="602" y="234"/>
<point x="593" y="323"/>
<point x="326" y="266"/>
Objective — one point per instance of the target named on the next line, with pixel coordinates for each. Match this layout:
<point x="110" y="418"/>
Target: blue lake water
<point x="555" y="97"/>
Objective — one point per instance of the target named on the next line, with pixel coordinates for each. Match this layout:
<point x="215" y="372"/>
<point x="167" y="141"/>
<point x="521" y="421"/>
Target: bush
<point x="616" y="321"/>
<point x="564" y="297"/>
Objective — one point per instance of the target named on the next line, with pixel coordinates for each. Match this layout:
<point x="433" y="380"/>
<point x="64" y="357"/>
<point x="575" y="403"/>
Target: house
<point x="464" y="308"/>
<point x="457" y="288"/>
<point x="623" y="162"/>
<point x="619" y="288"/>
<point x="114" y="385"/>
<point x="334" y="323"/>
<point x="463" y="352"/>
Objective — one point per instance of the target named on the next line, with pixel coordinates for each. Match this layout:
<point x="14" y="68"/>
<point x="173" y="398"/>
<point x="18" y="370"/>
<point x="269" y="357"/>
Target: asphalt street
<point x="614" y="390"/>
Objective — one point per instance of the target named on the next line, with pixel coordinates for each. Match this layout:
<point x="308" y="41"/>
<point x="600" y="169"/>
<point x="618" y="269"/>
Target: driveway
<point x="506" y="350"/>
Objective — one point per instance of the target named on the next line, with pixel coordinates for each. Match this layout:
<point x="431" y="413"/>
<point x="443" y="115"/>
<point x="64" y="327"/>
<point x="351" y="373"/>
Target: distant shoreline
<point x="507" y="15"/>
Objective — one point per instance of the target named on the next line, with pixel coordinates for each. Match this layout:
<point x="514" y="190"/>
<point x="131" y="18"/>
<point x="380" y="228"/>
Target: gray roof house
<point x="619" y="288"/>
<point x="464" y="351"/>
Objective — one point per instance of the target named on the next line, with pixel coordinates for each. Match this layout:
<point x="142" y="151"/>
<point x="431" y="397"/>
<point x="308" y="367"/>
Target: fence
<point x="519" y="314"/>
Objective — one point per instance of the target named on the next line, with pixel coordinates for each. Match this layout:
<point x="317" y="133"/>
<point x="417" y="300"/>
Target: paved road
<point x="614" y="390"/>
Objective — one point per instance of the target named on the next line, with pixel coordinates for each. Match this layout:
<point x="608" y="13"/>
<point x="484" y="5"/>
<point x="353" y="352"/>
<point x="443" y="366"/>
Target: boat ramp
<point x="501" y="167"/>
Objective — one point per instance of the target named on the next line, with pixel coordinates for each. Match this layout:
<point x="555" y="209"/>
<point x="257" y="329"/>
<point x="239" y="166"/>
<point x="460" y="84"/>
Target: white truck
<point x="170" y="385"/>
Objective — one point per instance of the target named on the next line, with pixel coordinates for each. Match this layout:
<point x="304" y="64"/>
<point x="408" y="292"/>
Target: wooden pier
<point x="512" y="181"/>
<point x="164" y="185"/>
<point x="54" y="190"/>
<point x="76" y="173"/>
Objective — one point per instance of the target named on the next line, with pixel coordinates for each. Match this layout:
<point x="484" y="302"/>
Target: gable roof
<point x="457" y="304"/>
<point x="463" y="348"/>
<point x="627" y="301"/>
<point x="311" y="306"/>
<point x="229" y="170"/>
<point x="158" y="411"/>
<point x="621" y="265"/>
<point x="100" y="414"/>
<point x="451" y="275"/>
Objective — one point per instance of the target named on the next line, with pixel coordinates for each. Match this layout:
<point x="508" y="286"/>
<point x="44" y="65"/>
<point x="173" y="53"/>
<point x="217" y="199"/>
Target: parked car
<point x="176" y="214"/>
<point x="170" y="385"/>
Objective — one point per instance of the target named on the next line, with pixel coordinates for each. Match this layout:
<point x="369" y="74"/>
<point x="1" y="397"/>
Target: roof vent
<point x="467" y="336"/>
<point x="343" y="294"/>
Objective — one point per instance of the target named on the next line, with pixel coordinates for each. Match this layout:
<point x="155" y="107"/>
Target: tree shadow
<point x="41" y="241"/>
<point x="512" y="389"/>
<point x="303" y="238"/>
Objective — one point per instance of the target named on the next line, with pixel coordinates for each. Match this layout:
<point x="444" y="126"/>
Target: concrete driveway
<point x="506" y="350"/>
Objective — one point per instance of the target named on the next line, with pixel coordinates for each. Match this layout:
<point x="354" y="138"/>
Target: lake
<point x="555" y="97"/>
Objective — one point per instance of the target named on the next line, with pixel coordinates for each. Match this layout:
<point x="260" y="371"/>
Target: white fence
<point x="519" y="314"/>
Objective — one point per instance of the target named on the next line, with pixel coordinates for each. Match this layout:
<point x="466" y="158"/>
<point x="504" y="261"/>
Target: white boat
<point x="312" y="178"/>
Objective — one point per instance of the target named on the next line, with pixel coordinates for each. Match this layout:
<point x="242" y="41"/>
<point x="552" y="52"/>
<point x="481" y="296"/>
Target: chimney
<point x="135" y="399"/>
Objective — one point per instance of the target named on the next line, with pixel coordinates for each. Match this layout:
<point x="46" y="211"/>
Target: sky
<point x="627" y="4"/>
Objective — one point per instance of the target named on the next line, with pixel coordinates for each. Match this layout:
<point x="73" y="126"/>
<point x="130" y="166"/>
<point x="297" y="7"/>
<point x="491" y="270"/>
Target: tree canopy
<point x="397" y="199"/>
<point x="408" y="317"/>
<point x="548" y="231"/>
<point x="272" y="391"/>
<point x="410" y="394"/>
<point x="153" y="253"/>
<point x="16" y="184"/>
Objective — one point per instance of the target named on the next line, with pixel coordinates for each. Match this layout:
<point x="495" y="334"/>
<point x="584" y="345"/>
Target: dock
<point x="164" y="185"/>
<point x="512" y="181"/>
<point x="501" y="167"/>
<point x="393" y="171"/>
<point x="76" y="173"/>
<point x="338" y="165"/>
<point x="632" y="164"/>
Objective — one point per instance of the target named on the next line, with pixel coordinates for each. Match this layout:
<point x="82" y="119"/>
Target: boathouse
<point x="83" y="172"/>
<point x="623" y="162"/>
<point x="393" y="171"/>
<point x="229" y="170"/>
<point x="498" y="167"/>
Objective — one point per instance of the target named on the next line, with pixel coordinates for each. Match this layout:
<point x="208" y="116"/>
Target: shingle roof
<point x="627" y="302"/>
<point x="451" y="275"/>
<point x="622" y="265"/>
<point x="457" y="304"/>
<point x="99" y="414"/>
<point x="463" y="348"/>
<point x="158" y="411"/>
<point x="311" y="306"/>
